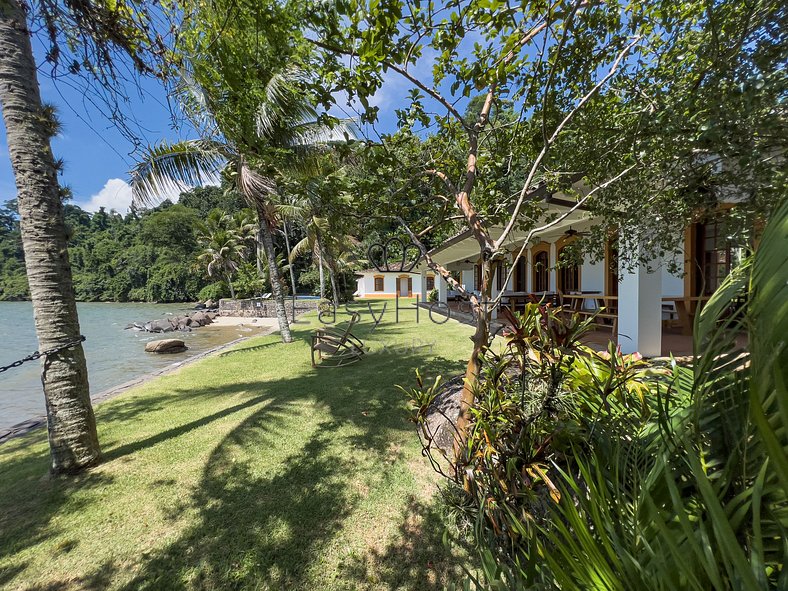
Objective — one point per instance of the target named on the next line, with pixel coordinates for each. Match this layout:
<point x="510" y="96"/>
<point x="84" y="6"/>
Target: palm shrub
<point x="587" y="470"/>
<point x="705" y="507"/>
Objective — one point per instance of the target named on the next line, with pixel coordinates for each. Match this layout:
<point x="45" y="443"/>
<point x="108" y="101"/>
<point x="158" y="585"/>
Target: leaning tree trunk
<point x="230" y="284"/>
<point x="480" y="340"/>
<point x="276" y="279"/>
<point x="332" y="275"/>
<point x="73" y="441"/>
<point x="322" y="276"/>
<point x="290" y="266"/>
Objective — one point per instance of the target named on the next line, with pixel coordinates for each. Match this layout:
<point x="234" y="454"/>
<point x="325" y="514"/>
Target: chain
<point x="52" y="351"/>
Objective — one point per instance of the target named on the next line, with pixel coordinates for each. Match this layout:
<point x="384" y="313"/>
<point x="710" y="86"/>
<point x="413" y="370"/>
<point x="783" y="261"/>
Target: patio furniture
<point x="687" y="307"/>
<point x="606" y="308"/>
<point x="334" y="347"/>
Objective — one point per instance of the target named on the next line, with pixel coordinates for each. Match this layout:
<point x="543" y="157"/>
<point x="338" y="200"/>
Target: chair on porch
<point x="335" y="348"/>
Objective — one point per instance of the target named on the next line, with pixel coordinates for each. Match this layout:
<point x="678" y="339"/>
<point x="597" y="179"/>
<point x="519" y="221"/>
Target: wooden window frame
<point x="382" y="283"/>
<point x="563" y="271"/>
<point x="540" y="249"/>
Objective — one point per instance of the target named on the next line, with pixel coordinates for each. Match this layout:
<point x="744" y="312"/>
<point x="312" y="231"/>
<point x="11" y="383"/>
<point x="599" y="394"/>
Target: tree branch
<point x="553" y="223"/>
<point x="526" y="186"/>
<point x="444" y="272"/>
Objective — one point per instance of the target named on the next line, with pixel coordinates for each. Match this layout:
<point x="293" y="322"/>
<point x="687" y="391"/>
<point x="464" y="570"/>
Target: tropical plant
<point x="701" y="502"/>
<point x="600" y="472"/>
<point x="201" y="161"/>
<point x="89" y="38"/>
<point x="222" y="241"/>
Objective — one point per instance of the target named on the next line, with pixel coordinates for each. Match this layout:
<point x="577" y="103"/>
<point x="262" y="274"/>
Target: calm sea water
<point x="114" y="355"/>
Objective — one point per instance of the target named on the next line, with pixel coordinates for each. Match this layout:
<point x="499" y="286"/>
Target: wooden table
<point x="576" y="300"/>
<point x="686" y="310"/>
<point x="516" y="300"/>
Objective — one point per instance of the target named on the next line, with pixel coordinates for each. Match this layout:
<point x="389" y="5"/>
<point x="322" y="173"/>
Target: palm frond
<point x="168" y="167"/>
<point x="254" y="186"/>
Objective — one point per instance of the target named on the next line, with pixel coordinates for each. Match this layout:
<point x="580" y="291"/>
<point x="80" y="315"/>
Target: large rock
<point x="210" y="304"/>
<point x="166" y="346"/>
<point x="161" y="325"/>
<point x="201" y="318"/>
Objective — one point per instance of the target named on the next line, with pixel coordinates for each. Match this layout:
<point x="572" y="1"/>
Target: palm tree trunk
<point x="290" y="266"/>
<point x="331" y="264"/>
<point x="260" y="250"/>
<point x="230" y="283"/>
<point x="71" y="423"/>
<point x="276" y="279"/>
<point x="322" y="276"/>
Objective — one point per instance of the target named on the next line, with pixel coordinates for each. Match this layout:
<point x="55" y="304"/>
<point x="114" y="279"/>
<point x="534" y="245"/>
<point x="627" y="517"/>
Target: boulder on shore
<point x="166" y="346"/>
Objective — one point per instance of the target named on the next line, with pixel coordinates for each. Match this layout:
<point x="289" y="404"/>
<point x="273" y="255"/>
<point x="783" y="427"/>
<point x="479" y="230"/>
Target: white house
<point x="637" y="303"/>
<point x="373" y="283"/>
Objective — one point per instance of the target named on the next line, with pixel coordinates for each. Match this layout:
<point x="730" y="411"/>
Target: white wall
<point x="366" y="284"/>
<point x="467" y="279"/>
<point x="672" y="285"/>
<point x="592" y="276"/>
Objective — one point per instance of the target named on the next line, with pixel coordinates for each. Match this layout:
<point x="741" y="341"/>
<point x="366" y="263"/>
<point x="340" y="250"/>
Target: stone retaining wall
<point x="260" y="308"/>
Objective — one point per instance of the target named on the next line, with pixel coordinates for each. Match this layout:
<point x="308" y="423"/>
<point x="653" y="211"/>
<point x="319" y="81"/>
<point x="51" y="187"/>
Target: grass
<point x="247" y="470"/>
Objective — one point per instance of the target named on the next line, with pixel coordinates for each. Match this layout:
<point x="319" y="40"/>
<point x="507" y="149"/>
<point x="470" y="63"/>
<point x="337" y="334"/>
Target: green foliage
<point x="145" y="256"/>
<point x="682" y="131"/>
<point x="214" y="291"/>
<point x="595" y="471"/>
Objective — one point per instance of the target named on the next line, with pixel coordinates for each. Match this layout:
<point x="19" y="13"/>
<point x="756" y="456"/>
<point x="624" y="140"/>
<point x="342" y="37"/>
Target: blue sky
<point x="98" y="157"/>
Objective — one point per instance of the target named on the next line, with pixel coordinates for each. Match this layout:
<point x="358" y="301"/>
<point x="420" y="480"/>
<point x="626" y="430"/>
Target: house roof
<point x="540" y="192"/>
<point x="379" y="272"/>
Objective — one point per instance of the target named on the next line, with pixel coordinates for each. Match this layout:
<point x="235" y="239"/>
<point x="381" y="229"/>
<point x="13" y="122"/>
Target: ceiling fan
<point x="572" y="232"/>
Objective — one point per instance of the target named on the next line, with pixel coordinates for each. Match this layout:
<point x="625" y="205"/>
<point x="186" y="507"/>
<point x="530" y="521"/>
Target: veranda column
<point x="424" y="285"/>
<point x="640" y="309"/>
<point x="553" y="271"/>
<point x="527" y="284"/>
<point x="442" y="288"/>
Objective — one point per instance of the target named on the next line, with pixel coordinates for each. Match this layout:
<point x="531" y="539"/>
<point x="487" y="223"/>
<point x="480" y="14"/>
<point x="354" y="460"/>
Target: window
<point x="519" y="275"/>
<point x="541" y="271"/>
<point x="716" y="256"/>
<point x="430" y="282"/>
<point x="378" y="283"/>
<point x="500" y="278"/>
<point x="477" y="278"/>
<point x="568" y="273"/>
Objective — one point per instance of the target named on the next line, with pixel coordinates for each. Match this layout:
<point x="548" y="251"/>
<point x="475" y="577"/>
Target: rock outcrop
<point x="183" y="323"/>
<point x="166" y="346"/>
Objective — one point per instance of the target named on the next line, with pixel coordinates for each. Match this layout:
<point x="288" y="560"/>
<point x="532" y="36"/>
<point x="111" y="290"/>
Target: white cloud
<point x="116" y="194"/>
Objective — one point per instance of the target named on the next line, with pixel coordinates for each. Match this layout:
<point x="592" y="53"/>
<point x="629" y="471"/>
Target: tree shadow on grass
<point x="419" y="558"/>
<point x="260" y="530"/>
<point x="256" y="526"/>
<point x="255" y="529"/>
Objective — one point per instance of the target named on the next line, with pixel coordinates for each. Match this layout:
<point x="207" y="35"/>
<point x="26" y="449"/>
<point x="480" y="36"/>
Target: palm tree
<point x="314" y="209"/>
<point x="222" y="238"/>
<point x="71" y="424"/>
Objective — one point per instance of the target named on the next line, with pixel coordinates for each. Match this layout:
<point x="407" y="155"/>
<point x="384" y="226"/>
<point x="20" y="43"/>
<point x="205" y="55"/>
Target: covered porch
<point x="644" y="309"/>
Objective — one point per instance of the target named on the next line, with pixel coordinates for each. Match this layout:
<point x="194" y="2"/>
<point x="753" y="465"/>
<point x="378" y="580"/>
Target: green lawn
<point x="249" y="469"/>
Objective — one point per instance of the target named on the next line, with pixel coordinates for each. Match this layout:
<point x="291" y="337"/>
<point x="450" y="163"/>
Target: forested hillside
<point x="148" y="255"/>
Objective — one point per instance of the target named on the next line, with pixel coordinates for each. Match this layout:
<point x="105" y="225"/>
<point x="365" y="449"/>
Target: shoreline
<point x="33" y="423"/>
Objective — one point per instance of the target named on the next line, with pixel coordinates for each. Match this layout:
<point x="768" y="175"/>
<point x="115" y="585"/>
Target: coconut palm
<point x="71" y="424"/>
<point x="222" y="252"/>
<point x="285" y="125"/>
<point x="315" y="208"/>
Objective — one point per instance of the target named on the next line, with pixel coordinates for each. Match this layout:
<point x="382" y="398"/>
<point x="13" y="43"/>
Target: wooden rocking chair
<point x="335" y="347"/>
